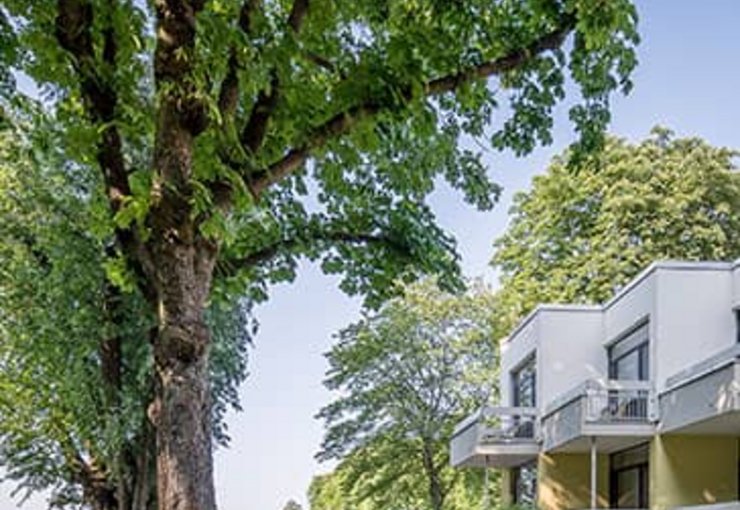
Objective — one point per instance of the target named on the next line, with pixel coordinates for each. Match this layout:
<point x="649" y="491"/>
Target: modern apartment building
<point x="631" y="404"/>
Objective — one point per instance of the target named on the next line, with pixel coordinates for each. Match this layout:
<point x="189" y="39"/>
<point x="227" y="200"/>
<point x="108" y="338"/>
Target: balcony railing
<point x="618" y="402"/>
<point x="508" y="424"/>
<point x="599" y="408"/>
<point x="496" y="436"/>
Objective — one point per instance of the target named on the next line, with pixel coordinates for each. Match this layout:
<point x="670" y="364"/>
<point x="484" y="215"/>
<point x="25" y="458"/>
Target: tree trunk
<point x="184" y="460"/>
<point x="436" y="492"/>
<point x="103" y="500"/>
<point x="182" y="406"/>
<point x="144" y="490"/>
<point x="183" y="264"/>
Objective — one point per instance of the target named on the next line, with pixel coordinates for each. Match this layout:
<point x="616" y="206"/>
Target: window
<point x="629" y="478"/>
<point x="737" y="324"/>
<point x="629" y="357"/>
<point x="524" y="484"/>
<point x="524" y="383"/>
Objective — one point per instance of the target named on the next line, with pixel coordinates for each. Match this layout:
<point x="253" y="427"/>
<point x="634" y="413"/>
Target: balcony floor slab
<point x="604" y="444"/>
<point x="501" y="455"/>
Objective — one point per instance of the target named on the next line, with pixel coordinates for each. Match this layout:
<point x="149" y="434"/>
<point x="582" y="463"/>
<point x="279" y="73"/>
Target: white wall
<point x="694" y="319"/>
<point x="630" y="306"/>
<point x="570" y="351"/>
<point x="566" y="340"/>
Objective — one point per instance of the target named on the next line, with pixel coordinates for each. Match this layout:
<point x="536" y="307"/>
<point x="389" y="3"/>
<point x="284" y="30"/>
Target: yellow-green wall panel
<point x="692" y="470"/>
<point x="564" y="481"/>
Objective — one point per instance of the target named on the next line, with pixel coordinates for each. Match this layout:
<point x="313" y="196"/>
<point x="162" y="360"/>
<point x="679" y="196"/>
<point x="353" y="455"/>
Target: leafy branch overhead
<point x="354" y="87"/>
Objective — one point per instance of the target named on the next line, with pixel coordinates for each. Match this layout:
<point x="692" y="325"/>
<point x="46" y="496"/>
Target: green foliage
<point x="581" y="233"/>
<point x="405" y="377"/>
<point x="387" y="477"/>
<point x="64" y="295"/>
<point x="348" y="54"/>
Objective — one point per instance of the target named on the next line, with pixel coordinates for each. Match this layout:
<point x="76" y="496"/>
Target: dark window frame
<point x="530" y="363"/>
<point x="517" y="487"/>
<point x="642" y="348"/>
<point x="641" y="468"/>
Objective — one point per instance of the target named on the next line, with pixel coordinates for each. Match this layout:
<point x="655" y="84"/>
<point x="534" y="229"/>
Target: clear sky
<point x="688" y="80"/>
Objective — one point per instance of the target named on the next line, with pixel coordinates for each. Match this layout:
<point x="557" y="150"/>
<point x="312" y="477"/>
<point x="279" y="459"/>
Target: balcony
<point x="617" y="414"/>
<point x="496" y="437"/>
<point x="704" y="398"/>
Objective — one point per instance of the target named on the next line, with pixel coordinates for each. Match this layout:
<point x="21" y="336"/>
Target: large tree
<point x="581" y="233"/>
<point x="405" y="377"/>
<point x="205" y="121"/>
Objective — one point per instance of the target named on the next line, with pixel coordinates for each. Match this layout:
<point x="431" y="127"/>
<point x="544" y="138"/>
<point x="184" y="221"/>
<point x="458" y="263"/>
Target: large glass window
<point x="524" y="382"/>
<point x="629" y="478"/>
<point x="629" y="357"/>
<point x="524" y="484"/>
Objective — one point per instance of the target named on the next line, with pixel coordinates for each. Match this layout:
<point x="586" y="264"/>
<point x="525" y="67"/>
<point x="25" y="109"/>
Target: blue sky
<point x="688" y="79"/>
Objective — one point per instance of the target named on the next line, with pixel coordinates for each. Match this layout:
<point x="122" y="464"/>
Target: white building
<point x="634" y="403"/>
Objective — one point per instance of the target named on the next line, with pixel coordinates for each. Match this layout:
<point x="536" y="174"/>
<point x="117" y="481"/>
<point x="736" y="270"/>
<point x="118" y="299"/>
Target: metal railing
<point x="618" y="401"/>
<point x="508" y="424"/>
<point x="494" y="427"/>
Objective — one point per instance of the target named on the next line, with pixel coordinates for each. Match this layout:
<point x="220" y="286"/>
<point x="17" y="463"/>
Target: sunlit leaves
<point x="405" y="376"/>
<point x="582" y="232"/>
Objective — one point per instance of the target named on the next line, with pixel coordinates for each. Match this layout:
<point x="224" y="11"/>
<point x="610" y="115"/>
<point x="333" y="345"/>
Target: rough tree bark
<point x="182" y="262"/>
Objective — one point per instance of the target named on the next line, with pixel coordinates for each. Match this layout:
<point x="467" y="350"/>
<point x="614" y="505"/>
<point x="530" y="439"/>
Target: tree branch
<point x="343" y="122"/>
<point x="73" y="30"/>
<point x="269" y="252"/>
<point x="228" y="97"/>
<point x="297" y="14"/>
<point x="320" y="61"/>
<point x="255" y="130"/>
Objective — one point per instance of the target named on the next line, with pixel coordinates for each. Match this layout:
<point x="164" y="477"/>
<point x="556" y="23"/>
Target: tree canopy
<point x="405" y="377"/>
<point x="578" y="235"/>
<point x="223" y="140"/>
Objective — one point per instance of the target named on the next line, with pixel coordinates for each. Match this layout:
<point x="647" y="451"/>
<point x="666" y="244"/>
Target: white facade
<point x="689" y="308"/>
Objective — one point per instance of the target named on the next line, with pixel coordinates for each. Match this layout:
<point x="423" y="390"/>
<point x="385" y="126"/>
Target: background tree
<point x="578" y="235"/>
<point x="326" y="493"/>
<point x="362" y="481"/>
<point x="405" y="377"/>
<point x="292" y="505"/>
<point x="199" y="118"/>
<point x="76" y="379"/>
